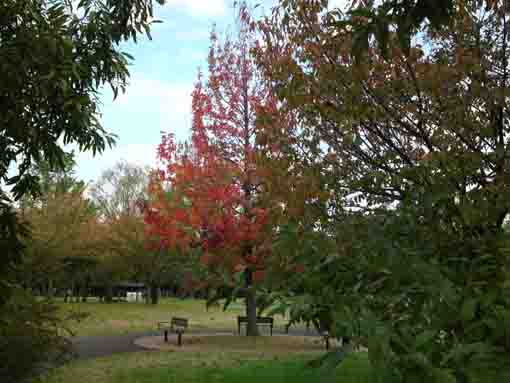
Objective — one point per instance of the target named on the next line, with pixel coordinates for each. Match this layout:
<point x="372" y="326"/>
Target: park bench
<point x="264" y="321"/>
<point x="176" y="325"/>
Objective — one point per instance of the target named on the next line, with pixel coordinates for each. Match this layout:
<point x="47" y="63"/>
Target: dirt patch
<point x="276" y="344"/>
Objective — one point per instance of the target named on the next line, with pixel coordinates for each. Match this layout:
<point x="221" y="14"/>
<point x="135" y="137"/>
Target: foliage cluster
<point x="54" y="57"/>
<point x="411" y="136"/>
<point x="353" y="165"/>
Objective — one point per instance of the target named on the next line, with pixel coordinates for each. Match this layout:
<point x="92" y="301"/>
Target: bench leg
<point x="271" y="330"/>
<point x="327" y="343"/>
<point x="166" y="335"/>
<point x="179" y="338"/>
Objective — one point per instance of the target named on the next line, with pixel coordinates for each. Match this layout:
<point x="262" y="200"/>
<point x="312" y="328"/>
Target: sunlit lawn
<point x="269" y="360"/>
<point x="128" y="317"/>
<point x="266" y="365"/>
<point x="206" y="367"/>
<point x="226" y="359"/>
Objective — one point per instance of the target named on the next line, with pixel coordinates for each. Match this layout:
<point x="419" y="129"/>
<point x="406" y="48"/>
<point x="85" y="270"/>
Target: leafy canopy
<point x="412" y="141"/>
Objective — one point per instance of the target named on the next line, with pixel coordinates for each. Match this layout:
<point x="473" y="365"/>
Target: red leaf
<point x="205" y="194"/>
<point x="258" y="275"/>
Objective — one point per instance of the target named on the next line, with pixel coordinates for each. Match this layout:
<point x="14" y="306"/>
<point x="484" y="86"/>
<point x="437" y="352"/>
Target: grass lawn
<point x="207" y="367"/>
<point x="222" y="359"/>
<point x="275" y="371"/>
<point x="128" y="317"/>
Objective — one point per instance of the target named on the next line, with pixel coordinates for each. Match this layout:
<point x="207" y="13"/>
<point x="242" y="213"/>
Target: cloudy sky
<point x="162" y="77"/>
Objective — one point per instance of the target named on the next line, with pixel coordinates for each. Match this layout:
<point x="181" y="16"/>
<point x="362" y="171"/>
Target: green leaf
<point x="129" y="56"/>
<point x="217" y="296"/>
<point x="332" y="359"/>
<point x="468" y="309"/>
<point x="227" y="303"/>
<point x="424" y="338"/>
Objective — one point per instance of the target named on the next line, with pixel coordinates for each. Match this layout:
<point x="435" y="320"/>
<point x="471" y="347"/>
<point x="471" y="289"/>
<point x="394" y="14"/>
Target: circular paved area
<point x="98" y="346"/>
<point x="221" y="341"/>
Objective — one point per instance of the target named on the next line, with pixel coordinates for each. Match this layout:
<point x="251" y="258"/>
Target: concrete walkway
<point x="97" y="346"/>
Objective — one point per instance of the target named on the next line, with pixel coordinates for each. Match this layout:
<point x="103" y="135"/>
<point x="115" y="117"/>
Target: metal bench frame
<point x="265" y="321"/>
<point x="175" y="325"/>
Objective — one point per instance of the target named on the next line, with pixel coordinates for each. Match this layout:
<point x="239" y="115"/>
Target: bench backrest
<point x="268" y="320"/>
<point x="179" y="322"/>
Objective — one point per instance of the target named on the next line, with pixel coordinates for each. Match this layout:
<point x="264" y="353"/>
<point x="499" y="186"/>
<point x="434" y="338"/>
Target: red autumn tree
<point x="208" y="193"/>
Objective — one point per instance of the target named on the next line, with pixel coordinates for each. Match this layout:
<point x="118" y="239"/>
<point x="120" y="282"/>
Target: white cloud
<point x="171" y="101"/>
<point x="90" y="168"/>
<point x="200" y="8"/>
<point x="147" y="108"/>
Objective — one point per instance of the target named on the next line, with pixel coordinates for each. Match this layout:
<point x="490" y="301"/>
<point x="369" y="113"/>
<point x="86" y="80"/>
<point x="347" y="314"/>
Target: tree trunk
<point x="84" y="294"/>
<point x="154" y="292"/>
<point x="73" y="291"/>
<point x="251" y="306"/>
<point x="50" y="292"/>
<point x="108" y="294"/>
<point x="100" y="293"/>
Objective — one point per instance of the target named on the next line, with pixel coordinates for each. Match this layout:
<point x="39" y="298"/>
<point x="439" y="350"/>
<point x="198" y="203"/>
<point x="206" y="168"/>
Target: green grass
<point x="129" y="317"/>
<point x="220" y="360"/>
<point x="354" y="370"/>
<point x="265" y="360"/>
<point x="226" y="367"/>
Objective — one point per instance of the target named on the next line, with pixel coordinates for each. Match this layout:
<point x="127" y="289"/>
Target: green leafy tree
<point x="56" y="217"/>
<point x="119" y="194"/>
<point x="58" y="58"/>
<point x="53" y="181"/>
<point x="413" y="139"/>
<point x="155" y="268"/>
<point x="57" y="234"/>
<point x="55" y="55"/>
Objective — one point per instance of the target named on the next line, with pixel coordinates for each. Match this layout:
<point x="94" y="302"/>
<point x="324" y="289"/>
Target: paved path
<point x="97" y="346"/>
